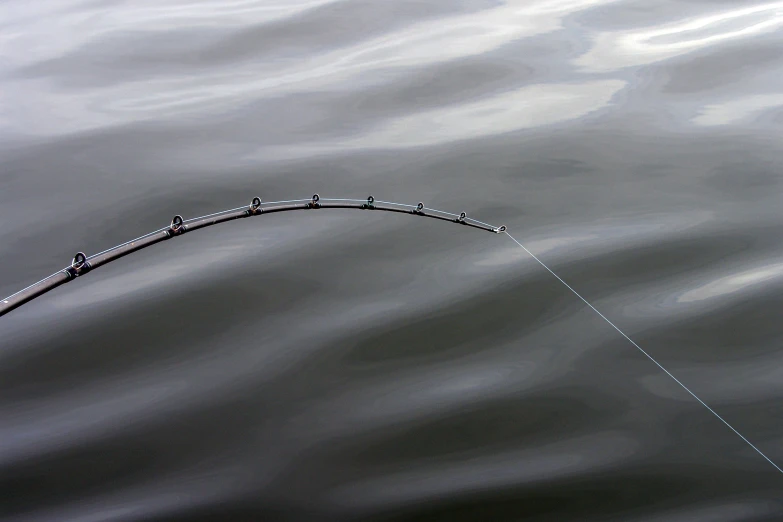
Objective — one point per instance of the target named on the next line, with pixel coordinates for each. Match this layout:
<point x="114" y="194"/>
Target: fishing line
<point x="83" y="264"/>
<point x="724" y="421"/>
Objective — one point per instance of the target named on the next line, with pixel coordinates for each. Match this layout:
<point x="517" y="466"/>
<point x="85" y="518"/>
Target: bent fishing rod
<point x="82" y="264"/>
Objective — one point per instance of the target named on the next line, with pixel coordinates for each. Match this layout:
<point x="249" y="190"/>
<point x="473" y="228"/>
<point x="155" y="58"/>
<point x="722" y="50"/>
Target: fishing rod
<point x="82" y="264"/>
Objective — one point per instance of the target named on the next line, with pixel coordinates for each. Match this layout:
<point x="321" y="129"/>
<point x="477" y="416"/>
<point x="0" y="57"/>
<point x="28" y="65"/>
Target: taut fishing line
<point x="724" y="421"/>
<point x="82" y="264"/>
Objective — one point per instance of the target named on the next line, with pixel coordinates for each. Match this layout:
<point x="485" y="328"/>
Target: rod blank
<point x="82" y="265"/>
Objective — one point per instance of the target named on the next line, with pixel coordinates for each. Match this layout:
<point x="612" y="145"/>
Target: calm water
<point x="345" y="366"/>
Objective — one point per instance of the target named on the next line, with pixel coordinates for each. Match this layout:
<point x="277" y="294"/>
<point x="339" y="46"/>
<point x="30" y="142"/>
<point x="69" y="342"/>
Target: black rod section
<point x="82" y="264"/>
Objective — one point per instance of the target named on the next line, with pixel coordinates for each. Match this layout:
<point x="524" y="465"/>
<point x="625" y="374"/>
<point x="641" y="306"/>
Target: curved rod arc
<point x="83" y="264"/>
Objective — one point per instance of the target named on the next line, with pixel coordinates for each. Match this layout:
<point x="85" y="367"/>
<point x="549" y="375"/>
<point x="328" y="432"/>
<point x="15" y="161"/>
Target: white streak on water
<point x="33" y="31"/>
<point x="614" y="50"/>
<point x="736" y="282"/>
<point x="523" y="108"/>
<point x="565" y="458"/>
<point x="737" y="109"/>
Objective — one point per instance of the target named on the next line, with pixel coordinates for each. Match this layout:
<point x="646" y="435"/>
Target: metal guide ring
<point x="78" y="260"/>
<point x="176" y="223"/>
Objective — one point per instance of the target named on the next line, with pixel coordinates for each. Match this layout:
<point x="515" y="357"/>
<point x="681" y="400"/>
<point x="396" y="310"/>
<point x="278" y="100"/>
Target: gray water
<point x="370" y="366"/>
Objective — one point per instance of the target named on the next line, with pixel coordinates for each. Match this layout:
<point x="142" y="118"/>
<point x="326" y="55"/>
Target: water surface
<point x="346" y="366"/>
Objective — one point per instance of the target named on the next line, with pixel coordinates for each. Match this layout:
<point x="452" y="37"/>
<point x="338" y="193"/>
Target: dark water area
<point x="370" y="366"/>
